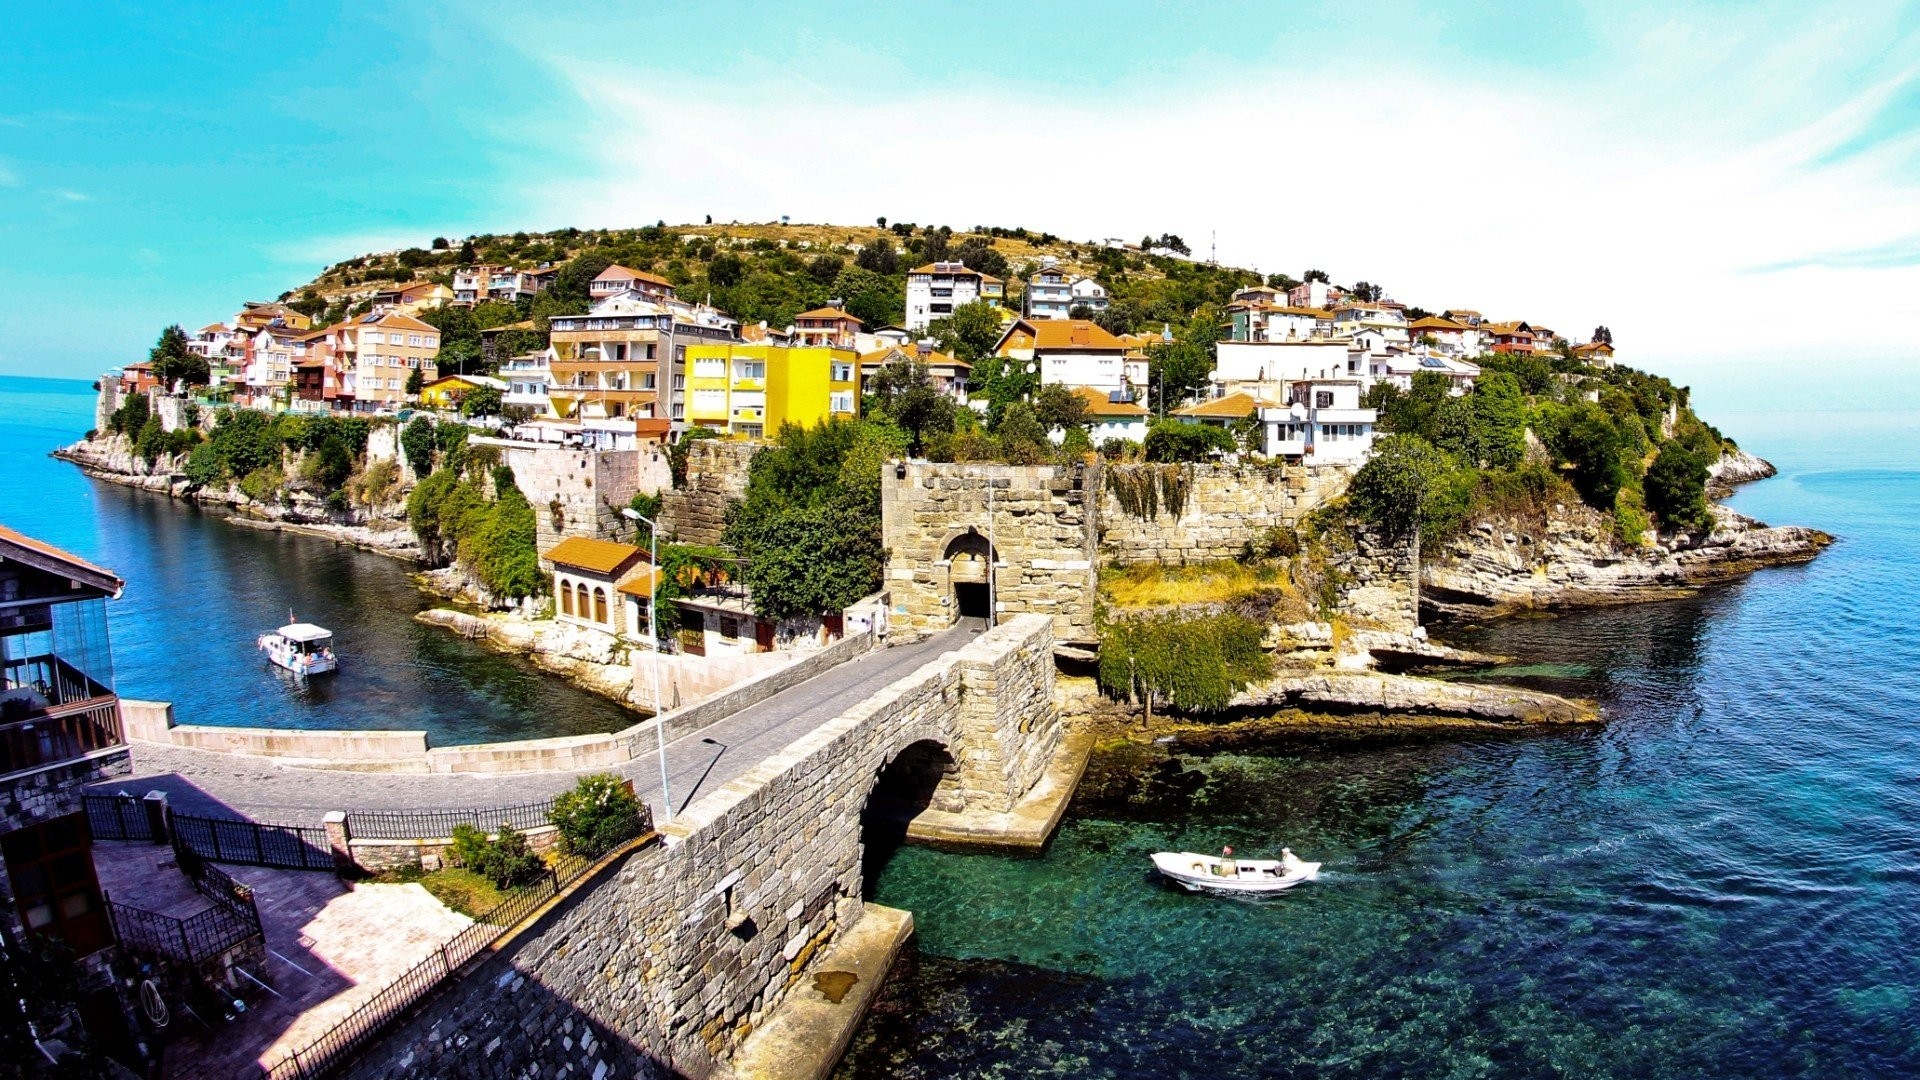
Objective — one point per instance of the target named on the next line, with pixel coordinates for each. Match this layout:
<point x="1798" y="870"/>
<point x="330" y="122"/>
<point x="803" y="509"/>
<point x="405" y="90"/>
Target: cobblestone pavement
<point x="201" y="781"/>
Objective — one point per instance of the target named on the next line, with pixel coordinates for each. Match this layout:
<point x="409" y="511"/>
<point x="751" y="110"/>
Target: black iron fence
<point x="228" y="840"/>
<point x="286" y="847"/>
<point x="191" y="940"/>
<point x="118" y="817"/>
<point x="433" y="824"/>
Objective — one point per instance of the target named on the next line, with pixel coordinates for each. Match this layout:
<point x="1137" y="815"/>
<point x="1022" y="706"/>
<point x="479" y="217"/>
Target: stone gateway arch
<point x="669" y="965"/>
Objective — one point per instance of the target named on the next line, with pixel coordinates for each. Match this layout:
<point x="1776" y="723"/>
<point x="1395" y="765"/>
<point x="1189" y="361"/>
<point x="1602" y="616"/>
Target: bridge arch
<point x="919" y="777"/>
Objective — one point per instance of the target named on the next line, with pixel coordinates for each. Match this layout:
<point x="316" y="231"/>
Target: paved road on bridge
<point x="201" y="781"/>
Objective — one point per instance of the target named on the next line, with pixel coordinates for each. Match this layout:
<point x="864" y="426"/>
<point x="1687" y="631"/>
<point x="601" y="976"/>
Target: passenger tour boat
<point x="302" y="648"/>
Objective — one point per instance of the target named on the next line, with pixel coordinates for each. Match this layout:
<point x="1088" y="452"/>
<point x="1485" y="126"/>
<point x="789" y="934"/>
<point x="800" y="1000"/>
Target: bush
<point x="1192" y="663"/>
<point x="1676" y="489"/>
<point x="1390" y="491"/>
<point x="505" y="860"/>
<point x="1173" y="440"/>
<point x="1278" y="542"/>
<point x="597" y="816"/>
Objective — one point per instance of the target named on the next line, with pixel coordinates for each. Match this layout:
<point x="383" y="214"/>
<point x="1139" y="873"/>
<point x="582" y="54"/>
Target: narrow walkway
<point x="207" y="782"/>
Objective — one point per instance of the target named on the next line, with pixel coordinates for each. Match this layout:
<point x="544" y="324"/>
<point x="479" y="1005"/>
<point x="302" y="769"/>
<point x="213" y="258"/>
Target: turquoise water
<point x="1723" y="880"/>
<point x="200" y="590"/>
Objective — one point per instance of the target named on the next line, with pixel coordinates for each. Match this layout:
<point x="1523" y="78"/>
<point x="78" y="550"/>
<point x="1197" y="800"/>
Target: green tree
<point x="415" y="380"/>
<point x="970" y="332"/>
<point x="1676" y="489"/>
<point x="1584" y="437"/>
<point x="1023" y="438"/>
<point x="1056" y="406"/>
<point x="481" y="401"/>
<point x="1176" y="440"/>
<point x="903" y="392"/>
<point x="172" y="362"/>
<point x="1391" y="491"/>
<point x="1177" y="370"/>
<point x="416" y="442"/>
<point x="1193" y="663"/>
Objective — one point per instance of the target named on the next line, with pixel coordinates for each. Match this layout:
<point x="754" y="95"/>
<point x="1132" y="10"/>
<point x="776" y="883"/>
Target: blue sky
<point x="1684" y="173"/>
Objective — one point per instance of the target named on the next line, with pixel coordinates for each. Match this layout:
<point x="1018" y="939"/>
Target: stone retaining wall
<point x="668" y="966"/>
<point x="1227" y="508"/>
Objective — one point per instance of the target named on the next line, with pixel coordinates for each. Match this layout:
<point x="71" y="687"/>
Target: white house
<point x="1323" y="423"/>
<point x="1286" y="361"/>
<point x="1074" y="352"/>
<point x="934" y="290"/>
<point x="1400" y="367"/>
<point x="1053" y="293"/>
<point x="1389" y="319"/>
<point x="1109" y="416"/>
<point x="1314" y="294"/>
<point x="528" y="379"/>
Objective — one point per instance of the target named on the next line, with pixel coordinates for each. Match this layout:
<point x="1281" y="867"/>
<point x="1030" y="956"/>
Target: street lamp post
<point x="653" y="635"/>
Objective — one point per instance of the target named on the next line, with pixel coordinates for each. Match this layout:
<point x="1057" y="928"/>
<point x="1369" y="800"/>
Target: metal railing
<point x="191" y="940"/>
<point x="287" y="847"/>
<point x="436" y="824"/>
<point x="117" y="817"/>
<point x="61" y="733"/>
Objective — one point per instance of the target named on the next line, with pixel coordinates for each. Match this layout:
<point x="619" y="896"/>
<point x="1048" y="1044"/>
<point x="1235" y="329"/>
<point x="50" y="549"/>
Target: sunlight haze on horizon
<point x="1715" y="183"/>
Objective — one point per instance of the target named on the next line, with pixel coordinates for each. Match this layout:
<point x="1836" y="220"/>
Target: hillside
<point x="772" y="272"/>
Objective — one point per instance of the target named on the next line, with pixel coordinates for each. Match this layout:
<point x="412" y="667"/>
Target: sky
<point x="1733" y="189"/>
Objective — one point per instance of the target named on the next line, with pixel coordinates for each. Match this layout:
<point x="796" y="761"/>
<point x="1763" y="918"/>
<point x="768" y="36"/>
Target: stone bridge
<point x="670" y="964"/>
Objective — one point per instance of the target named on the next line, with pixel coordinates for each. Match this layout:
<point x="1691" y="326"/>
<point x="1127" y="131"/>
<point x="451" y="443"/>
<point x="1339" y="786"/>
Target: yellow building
<point x="447" y="391"/>
<point x="751" y="390"/>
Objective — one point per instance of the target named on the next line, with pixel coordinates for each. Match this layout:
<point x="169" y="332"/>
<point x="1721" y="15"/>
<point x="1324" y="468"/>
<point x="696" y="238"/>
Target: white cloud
<point x="68" y="195"/>
<point x="8" y="178"/>
<point x="1688" y="192"/>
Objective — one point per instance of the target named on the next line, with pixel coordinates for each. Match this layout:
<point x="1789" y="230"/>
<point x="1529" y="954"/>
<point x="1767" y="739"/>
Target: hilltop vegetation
<point x="1536" y="431"/>
<point x="769" y="273"/>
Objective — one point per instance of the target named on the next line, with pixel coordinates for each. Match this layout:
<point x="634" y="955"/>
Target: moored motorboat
<point x="302" y="648"/>
<point x="1211" y="872"/>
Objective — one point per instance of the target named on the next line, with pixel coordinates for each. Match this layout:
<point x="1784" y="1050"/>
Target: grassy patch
<point x="1149" y="585"/>
<point x="461" y="890"/>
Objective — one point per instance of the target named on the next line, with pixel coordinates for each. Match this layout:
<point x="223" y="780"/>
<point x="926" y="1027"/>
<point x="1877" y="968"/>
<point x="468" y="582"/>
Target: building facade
<point x="934" y="290"/>
<point x="751" y="391"/>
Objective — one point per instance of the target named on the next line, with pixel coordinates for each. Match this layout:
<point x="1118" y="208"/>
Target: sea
<point x="1721" y="880"/>
<point x="201" y="589"/>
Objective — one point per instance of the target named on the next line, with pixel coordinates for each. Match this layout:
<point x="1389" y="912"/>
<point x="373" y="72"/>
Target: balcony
<point x="52" y="711"/>
<point x="1345" y="416"/>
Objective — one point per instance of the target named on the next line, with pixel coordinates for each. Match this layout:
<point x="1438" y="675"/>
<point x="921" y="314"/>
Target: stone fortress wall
<point x="716" y="475"/>
<point x="667" y="967"/>
<point x="1227" y="507"/>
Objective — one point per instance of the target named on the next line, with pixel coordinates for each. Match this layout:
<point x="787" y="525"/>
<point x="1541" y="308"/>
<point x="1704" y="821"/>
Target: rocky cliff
<point x="1570" y="558"/>
<point x="381" y="529"/>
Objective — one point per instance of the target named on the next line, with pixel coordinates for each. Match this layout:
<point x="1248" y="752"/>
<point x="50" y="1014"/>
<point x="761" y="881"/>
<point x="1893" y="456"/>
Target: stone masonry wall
<point x="580" y="492"/>
<point x="716" y="475"/>
<point x="668" y="965"/>
<point x="1227" y="507"/>
<point x="1040" y="519"/>
<point x="1378" y="581"/>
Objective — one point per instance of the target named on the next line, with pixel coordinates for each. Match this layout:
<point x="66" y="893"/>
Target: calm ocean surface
<point x="1723" y="880"/>
<point x="200" y="590"/>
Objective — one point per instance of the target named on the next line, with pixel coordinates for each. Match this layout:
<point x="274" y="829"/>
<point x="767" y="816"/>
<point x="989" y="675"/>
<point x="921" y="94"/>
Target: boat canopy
<point x="305" y="631"/>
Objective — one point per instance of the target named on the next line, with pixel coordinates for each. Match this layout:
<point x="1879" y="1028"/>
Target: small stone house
<point x="587" y="575"/>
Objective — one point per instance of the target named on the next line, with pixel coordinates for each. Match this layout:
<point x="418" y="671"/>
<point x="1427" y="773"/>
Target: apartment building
<point x="617" y="279"/>
<point x="751" y="390"/>
<point x="1074" y="352"/>
<point x="376" y="353"/>
<point x="934" y="290"/>
<point x="626" y="358"/>
<point x="1054" y="294"/>
<point x="507" y="284"/>
<point x="830" y="326"/>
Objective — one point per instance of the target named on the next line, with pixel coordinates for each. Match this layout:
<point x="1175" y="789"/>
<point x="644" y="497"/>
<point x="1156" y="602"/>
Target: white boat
<point x="1196" y="872"/>
<point x="302" y="648"/>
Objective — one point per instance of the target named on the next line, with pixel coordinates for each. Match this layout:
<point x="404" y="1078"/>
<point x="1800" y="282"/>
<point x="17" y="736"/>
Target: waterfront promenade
<point x="204" y="781"/>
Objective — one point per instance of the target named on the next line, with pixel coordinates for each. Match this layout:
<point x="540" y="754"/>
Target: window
<point x="729" y="627"/>
<point x="599" y="604"/>
<point x="393" y="384"/>
<point x="1323" y="399"/>
<point x="709" y="369"/>
<point x="413" y="340"/>
<point x="750" y="369"/>
<point x="566" y="598"/>
<point x="840" y="401"/>
<point x="842" y="373"/>
<point x="374" y="337"/>
<point x="710" y="400"/>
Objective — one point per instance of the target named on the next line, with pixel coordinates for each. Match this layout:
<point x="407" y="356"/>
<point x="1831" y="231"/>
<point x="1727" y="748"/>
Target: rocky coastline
<point x="1570" y="558"/>
<point x="382" y="530"/>
<point x="594" y="661"/>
